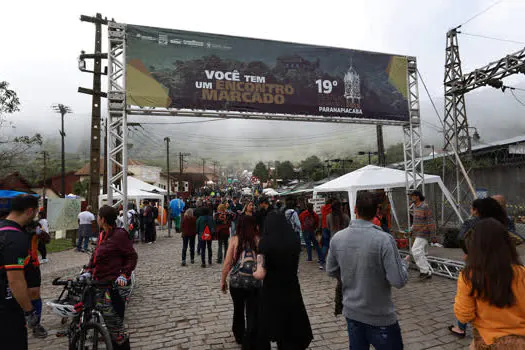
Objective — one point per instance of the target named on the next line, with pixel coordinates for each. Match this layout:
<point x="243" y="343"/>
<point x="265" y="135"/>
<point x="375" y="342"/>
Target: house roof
<point x="477" y="148"/>
<point x="84" y="171"/>
<point x="5" y="180"/>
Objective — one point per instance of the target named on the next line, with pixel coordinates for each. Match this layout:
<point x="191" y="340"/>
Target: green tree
<point x="285" y="170"/>
<point x="261" y="172"/>
<point x="394" y="153"/>
<point x="9" y="102"/>
<point x="309" y="166"/>
<point x="80" y="188"/>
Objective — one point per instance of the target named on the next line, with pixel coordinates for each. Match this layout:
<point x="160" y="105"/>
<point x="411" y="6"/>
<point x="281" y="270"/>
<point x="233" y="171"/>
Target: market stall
<point x="372" y="177"/>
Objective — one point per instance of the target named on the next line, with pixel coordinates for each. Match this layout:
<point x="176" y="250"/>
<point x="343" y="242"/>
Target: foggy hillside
<point x="496" y="115"/>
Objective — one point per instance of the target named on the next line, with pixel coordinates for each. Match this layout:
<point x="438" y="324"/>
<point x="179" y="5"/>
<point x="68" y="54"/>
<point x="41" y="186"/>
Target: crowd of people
<point x="262" y="241"/>
<point x="259" y="247"/>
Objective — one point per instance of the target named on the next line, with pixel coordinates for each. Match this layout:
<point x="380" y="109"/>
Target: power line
<point x="431" y="100"/>
<point x="493" y="38"/>
<point x="179" y="123"/>
<point x="516" y="98"/>
<point x="480" y="13"/>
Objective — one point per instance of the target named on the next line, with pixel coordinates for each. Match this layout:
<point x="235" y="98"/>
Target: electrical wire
<point x="493" y="38"/>
<point x="431" y="101"/>
<point x="179" y="123"/>
<point x="482" y="12"/>
<point x="516" y="98"/>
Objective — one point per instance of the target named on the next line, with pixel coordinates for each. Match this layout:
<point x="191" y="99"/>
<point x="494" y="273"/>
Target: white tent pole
<point x="394" y="214"/>
<point x="450" y="200"/>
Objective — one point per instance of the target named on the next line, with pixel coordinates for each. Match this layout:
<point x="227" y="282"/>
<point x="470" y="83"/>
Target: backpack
<point x="289" y="218"/>
<point x="206" y="234"/>
<point x="155" y="213"/>
<point x="309" y="223"/>
<point x="241" y="276"/>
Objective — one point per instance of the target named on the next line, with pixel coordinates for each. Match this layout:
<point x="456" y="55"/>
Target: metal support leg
<point x="117" y="160"/>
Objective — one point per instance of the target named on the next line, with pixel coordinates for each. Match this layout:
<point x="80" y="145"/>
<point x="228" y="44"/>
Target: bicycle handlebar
<point x="58" y="282"/>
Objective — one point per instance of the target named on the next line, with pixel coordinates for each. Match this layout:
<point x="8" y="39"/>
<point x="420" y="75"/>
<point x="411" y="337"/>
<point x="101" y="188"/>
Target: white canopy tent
<point x="138" y="190"/>
<point x="372" y="177"/>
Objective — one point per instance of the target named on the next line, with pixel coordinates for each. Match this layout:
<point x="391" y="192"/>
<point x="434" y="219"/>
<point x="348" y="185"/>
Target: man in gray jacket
<point x="368" y="262"/>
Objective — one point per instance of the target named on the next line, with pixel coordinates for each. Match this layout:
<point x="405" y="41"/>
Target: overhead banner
<point x="188" y="70"/>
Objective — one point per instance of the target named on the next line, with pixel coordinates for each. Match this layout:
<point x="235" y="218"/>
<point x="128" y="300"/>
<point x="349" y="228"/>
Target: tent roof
<point x="370" y="177"/>
<point x="140" y="189"/>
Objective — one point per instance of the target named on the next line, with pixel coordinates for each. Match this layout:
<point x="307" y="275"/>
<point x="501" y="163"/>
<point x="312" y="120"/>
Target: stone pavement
<point x="174" y="307"/>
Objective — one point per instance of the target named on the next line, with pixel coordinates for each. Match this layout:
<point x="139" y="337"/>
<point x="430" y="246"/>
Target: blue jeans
<point x="85" y="239"/>
<point x="325" y="241"/>
<point x="362" y="335"/>
<point x="462" y="326"/>
<point x="309" y="239"/>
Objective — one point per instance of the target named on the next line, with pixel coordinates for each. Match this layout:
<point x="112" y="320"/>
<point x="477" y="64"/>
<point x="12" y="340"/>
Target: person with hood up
<point x="282" y="315"/>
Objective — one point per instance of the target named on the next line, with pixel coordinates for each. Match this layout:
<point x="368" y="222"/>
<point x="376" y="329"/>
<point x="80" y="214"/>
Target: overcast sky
<point x="41" y="40"/>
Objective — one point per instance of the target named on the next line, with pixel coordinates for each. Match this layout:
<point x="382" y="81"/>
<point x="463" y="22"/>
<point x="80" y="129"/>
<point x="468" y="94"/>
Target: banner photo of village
<point x="189" y="70"/>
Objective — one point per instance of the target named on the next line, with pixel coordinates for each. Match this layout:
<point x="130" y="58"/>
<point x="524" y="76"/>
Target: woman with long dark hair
<point x="244" y="290"/>
<point x="283" y="318"/>
<point x="482" y="208"/>
<point x="491" y="289"/>
<point x="337" y="220"/>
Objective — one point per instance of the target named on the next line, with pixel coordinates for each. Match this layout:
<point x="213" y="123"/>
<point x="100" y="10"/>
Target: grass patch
<point x="58" y="245"/>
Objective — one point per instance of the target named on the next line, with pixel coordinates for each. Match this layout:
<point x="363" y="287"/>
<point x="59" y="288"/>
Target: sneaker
<point x="321" y="267"/>
<point x="183" y="263"/>
<point x="424" y="276"/>
<point x="150" y="242"/>
<point x="43" y="261"/>
<point x="203" y="265"/>
<point x="309" y="260"/>
<point x="39" y="331"/>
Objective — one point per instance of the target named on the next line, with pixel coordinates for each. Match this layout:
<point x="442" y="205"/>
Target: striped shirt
<point x="423" y="225"/>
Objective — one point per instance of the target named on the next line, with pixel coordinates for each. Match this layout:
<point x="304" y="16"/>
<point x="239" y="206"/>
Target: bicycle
<point x="87" y="330"/>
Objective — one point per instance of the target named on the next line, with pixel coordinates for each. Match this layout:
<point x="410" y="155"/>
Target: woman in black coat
<point x="283" y="318"/>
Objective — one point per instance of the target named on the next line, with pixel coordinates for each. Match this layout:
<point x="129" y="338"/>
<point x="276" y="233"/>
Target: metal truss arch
<point x="116" y="153"/>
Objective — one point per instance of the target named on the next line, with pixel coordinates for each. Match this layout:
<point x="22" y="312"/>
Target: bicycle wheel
<point x="92" y="336"/>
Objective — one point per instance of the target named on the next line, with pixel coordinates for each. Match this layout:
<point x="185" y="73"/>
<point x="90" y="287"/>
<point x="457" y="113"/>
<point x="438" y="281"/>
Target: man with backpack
<point x="310" y="223"/>
<point x="205" y="231"/>
<point x="292" y="217"/>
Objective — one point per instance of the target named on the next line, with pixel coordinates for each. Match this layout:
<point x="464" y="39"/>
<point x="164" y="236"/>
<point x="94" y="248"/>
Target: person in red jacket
<point x="114" y="260"/>
<point x="189" y="231"/>
<point x="309" y="224"/>
<point x="325" y="210"/>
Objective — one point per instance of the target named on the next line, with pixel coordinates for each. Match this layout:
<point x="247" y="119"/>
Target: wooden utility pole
<point x="97" y="94"/>
<point x="167" y="140"/>
<point x="46" y="155"/>
<point x="181" y="162"/>
<point x="380" y="146"/>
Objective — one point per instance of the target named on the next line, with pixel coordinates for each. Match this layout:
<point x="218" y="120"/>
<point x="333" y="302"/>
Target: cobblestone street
<point x="174" y="307"/>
